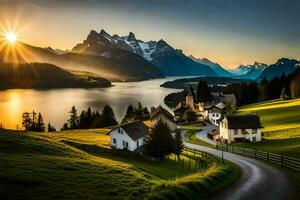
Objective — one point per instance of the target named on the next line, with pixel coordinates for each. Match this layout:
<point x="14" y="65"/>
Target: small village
<point x="216" y="125"/>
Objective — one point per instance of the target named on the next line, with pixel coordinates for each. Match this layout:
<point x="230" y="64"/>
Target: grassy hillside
<point x="75" y="165"/>
<point x="281" y="121"/>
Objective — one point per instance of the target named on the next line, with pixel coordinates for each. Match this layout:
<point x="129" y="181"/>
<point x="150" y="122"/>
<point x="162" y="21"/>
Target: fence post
<point x="222" y="157"/>
<point x="217" y="146"/>
<point x="267" y="156"/>
<point x="227" y="147"/>
<point x="255" y="153"/>
<point x="232" y="148"/>
<point x="281" y="161"/>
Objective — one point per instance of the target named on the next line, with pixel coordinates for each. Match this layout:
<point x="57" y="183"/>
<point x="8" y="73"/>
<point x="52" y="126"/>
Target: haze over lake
<point x="56" y="104"/>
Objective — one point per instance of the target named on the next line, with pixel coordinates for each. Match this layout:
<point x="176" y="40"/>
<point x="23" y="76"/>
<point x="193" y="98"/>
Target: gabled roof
<point x="220" y="106"/>
<point x="243" y="121"/>
<point x="135" y="130"/>
<point x="180" y="106"/>
<point x="161" y="110"/>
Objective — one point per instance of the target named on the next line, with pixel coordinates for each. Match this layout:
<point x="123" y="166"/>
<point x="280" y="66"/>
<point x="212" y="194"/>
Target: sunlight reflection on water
<point x="55" y="104"/>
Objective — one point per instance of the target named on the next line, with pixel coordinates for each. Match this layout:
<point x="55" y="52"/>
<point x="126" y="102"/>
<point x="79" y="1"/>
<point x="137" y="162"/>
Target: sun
<point x="11" y="37"/>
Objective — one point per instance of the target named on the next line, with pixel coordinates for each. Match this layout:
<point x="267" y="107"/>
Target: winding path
<point x="202" y="134"/>
<point x="258" y="180"/>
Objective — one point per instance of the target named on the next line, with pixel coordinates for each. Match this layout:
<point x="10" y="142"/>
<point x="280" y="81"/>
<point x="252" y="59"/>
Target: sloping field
<point x="73" y="165"/>
<point x="281" y="121"/>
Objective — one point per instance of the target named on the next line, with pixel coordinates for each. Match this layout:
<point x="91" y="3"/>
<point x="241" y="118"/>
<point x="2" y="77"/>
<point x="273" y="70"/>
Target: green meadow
<point x="77" y="165"/>
<point x="281" y="122"/>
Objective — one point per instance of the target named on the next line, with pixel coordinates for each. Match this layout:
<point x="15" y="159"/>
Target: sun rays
<point x="11" y="37"/>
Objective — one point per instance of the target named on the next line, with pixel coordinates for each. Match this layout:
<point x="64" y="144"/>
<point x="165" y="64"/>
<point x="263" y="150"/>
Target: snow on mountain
<point x="250" y="71"/>
<point x="172" y="62"/>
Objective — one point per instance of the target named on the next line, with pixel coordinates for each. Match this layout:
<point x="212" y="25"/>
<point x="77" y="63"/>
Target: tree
<point x="130" y="114"/>
<point x="108" y="117"/>
<point x="178" y="144"/>
<point x="203" y="93"/>
<point x="65" y="127"/>
<point x="89" y="118"/>
<point x="51" y="128"/>
<point x="160" y="142"/>
<point x="74" y="119"/>
<point x="97" y="120"/>
<point x="83" y="120"/>
<point x="190" y="116"/>
<point x="33" y="126"/>
<point x="26" y="121"/>
<point x="40" y="126"/>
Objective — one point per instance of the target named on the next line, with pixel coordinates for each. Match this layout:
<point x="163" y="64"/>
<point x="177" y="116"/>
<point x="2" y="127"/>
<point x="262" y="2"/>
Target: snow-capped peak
<point x="148" y="49"/>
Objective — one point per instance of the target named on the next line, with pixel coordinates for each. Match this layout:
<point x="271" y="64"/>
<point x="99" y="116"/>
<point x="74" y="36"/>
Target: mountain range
<point x="282" y="66"/>
<point x="170" y="61"/>
<point x="126" y="58"/>
<point x="250" y="71"/>
<point x="121" y="66"/>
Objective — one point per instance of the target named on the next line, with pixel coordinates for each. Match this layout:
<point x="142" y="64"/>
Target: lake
<point x="55" y="104"/>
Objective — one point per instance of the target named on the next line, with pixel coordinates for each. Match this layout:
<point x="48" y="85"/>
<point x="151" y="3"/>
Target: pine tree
<point x="130" y="114"/>
<point x="108" y="117"/>
<point x="26" y="121"/>
<point x="97" y="120"/>
<point x="160" y="141"/>
<point x="83" y="120"/>
<point x="89" y="118"/>
<point x="65" y="127"/>
<point x="74" y="119"/>
<point x="203" y="92"/>
<point x="40" y="126"/>
<point x="51" y="128"/>
<point x="33" y="126"/>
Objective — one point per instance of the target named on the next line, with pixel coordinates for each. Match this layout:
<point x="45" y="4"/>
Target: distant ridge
<point x="214" y="66"/>
<point x="122" y="66"/>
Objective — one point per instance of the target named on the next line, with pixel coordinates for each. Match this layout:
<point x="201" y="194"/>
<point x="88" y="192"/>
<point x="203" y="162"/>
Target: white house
<point x="236" y="128"/>
<point x="165" y="116"/>
<point x="129" y="136"/>
<point x="216" y="113"/>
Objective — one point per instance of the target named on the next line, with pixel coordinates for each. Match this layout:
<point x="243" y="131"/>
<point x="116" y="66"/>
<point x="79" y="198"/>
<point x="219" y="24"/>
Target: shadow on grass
<point x="163" y="169"/>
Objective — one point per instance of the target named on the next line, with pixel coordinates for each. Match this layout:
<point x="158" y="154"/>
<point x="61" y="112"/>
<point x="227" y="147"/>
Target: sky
<point x="229" y="32"/>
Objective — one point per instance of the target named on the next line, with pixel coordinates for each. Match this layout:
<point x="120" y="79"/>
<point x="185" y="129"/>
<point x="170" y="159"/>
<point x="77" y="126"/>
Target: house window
<point x="125" y="144"/>
<point x="235" y="131"/>
<point x="137" y="143"/>
<point x="114" y="141"/>
<point x="254" y="131"/>
<point x="120" y="131"/>
<point x="253" y="139"/>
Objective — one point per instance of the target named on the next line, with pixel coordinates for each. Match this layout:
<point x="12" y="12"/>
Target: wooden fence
<point x="193" y="159"/>
<point x="284" y="161"/>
